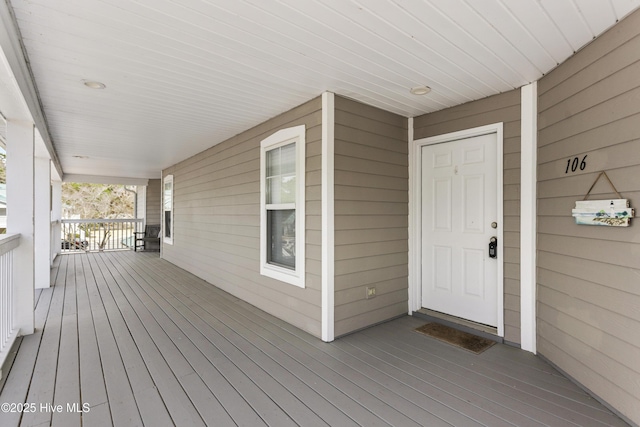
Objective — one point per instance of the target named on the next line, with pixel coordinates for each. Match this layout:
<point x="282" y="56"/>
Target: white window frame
<point x="281" y="138"/>
<point x="169" y="240"/>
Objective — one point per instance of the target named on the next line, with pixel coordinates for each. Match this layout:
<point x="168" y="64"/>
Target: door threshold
<point x="464" y="325"/>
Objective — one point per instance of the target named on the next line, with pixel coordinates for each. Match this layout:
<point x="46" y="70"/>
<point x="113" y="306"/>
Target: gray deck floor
<point x="142" y="342"/>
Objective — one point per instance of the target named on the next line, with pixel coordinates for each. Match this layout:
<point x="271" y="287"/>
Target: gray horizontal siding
<point x="499" y="108"/>
<point x="589" y="298"/>
<point x="217" y="220"/>
<point x="371" y="208"/>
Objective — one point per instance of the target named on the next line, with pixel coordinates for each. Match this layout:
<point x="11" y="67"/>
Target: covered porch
<point x="125" y="338"/>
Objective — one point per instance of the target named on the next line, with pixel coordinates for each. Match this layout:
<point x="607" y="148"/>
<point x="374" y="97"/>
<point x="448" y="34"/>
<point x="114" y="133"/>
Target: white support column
<point x="415" y="290"/>
<point x="142" y="204"/>
<point x="20" y="218"/>
<point x="56" y="216"/>
<point x="528" y="216"/>
<point x="328" y="228"/>
<point x="42" y="222"/>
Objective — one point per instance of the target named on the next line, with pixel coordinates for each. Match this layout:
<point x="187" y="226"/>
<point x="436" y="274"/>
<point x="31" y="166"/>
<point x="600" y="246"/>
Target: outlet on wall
<point x="371" y="292"/>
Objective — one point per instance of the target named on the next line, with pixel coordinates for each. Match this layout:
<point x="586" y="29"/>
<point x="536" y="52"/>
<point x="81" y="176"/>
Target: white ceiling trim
<point x="97" y="179"/>
<point x="17" y="78"/>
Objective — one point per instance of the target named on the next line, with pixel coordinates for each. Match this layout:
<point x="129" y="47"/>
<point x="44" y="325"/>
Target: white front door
<point x="459" y="213"/>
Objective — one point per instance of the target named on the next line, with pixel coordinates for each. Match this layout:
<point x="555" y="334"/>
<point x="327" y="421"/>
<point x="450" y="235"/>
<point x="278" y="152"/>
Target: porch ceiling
<point x="184" y="75"/>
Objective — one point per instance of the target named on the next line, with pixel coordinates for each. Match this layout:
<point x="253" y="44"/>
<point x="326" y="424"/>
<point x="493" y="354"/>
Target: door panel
<point x="459" y="203"/>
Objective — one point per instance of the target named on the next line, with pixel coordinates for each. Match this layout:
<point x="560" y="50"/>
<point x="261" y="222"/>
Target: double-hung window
<point x="282" y="160"/>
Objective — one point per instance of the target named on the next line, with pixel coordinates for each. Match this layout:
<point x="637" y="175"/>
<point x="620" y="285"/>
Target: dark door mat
<point x="455" y="337"/>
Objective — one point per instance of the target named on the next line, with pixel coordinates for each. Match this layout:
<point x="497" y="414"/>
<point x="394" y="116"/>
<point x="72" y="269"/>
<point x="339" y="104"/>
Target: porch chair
<point x="150" y="239"/>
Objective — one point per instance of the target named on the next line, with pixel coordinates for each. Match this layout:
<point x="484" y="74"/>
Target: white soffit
<point x="184" y="75"/>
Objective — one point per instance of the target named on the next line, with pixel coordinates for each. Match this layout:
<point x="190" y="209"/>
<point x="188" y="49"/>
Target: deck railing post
<point x="56" y="216"/>
<point x="20" y="218"/>
<point x="42" y="222"/>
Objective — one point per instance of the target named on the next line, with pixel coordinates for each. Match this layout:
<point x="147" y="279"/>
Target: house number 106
<point x="575" y="162"/>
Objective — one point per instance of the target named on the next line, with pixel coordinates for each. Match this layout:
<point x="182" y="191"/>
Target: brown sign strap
<point x="596" y="181"/>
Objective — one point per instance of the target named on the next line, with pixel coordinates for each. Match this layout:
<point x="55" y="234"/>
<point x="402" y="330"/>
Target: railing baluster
<point x="87" y="234"/>
<point x="8" y="331"/>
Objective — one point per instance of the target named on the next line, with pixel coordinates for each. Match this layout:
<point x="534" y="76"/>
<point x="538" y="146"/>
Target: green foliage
<point x="90" y="201"/>
<point x="3" y="168"/>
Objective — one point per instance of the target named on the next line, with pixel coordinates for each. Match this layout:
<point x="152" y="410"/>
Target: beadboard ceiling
<point x="183" y="75"/>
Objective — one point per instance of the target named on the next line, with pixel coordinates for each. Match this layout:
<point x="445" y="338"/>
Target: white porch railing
<point x="83" y="235"/>
<point x="8" y="329"/>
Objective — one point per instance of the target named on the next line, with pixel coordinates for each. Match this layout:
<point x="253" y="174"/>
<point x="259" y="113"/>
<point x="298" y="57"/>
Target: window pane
<point x="273" y="189"/>
<point x="288" y="189"/>
<point x="288" y="159"/>
<point x="281" y="189"/>
<point x="281" y="236"/>
<point x="168" y="187"/>
<point x="281" y="175"/>
<point x="167" y="224"/>
<point x="273" y="162"/>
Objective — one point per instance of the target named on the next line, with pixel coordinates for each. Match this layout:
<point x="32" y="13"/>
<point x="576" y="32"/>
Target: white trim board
<point x="98" y="179"/>
<point x="328" y="226"/>
<point x="528" y="212"/>
<point x="20" y="70"/>
<point x="415" y="227"/>
<point x="415" y="215"/>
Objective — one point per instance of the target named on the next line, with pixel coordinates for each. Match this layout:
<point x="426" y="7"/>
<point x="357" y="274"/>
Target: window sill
<point x="282" y="275"/>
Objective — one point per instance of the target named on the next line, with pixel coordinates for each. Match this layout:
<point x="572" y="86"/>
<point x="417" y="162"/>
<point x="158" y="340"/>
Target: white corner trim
<point x="528" y="213"/>
<point x="415" y="227"/>
<point x="328" y="226"/>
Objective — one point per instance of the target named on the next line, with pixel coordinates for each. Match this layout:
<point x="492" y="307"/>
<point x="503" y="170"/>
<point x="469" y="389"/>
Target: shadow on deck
<point x="139" y="341"/>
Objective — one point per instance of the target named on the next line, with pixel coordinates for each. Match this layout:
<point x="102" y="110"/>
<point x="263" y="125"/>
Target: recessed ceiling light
<point x="420" y="90"/>
<point x="94" y="85"/>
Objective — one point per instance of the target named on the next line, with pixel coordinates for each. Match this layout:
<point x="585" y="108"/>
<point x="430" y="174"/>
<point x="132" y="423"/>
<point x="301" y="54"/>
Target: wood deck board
<point x="531" y="410"/>
<point x="164" y="332"/>
<point x="475" y="404"/>
<point x="180" y="407"/>
<point x="283" y="397"/>
<point x="331" y="366"/>
<point x="92" y="386"/>
<point x="275" y="362"/>
<point x="455" y="418"/>
<point x="221" y="374"/>
<point x="120" y="397"/>
<point x="487" y="392"/>
<point x="341" y="363"/>
<point x="18" y="377"/>
<point x="553" y="401"/>
<point x="213" y="313"/>
<point x="67" y="390"/>
<point x="146" y="343"/>
<point x="42" y="386"/>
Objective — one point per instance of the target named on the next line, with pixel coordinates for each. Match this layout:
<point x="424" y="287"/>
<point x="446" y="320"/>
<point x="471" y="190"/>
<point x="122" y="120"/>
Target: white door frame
<point x="415" y="212"/>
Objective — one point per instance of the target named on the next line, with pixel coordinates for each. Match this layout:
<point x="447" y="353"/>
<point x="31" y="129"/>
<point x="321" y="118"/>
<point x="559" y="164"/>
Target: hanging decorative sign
<point x="611" y="212"/>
